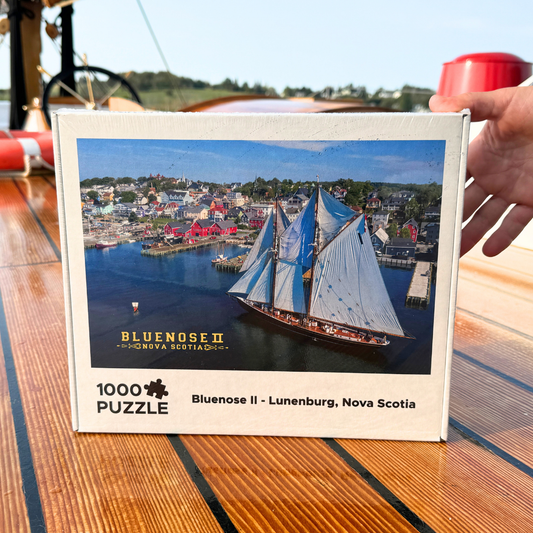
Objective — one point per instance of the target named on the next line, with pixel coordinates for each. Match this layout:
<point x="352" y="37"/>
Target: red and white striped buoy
<point x="22" y="151"/>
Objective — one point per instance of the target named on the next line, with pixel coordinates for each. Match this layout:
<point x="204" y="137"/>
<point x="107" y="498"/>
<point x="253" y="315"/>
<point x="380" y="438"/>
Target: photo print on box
<point x="340" y="276"/>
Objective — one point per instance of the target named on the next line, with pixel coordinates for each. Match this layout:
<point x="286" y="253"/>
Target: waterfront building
<point x="202" y="228"/>
<point x="398" y="246"/>
<point x="177" y="229"/>
<point x="379" y="239"/>
<point x="224" y="227"/>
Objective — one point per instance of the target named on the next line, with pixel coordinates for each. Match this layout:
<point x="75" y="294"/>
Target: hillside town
<point x="164" y="211"/>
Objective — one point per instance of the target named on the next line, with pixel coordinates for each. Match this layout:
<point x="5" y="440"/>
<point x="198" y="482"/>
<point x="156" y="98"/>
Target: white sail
<point x="262" y="290"/>
<point x="263" y="242"/>
<point x="332" y="216"/>
<point x="347" y="284"/>
<point x="296" y="242"/>
<point x="289" y="288"/>
<point x="247" y="282"/>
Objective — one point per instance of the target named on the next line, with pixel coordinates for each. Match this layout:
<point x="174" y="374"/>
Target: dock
<point x="177" y="248"/>
<point x="420" y="287"/>
<point x="125" y="240"/>
<point x="231" y="265"/>
<point x="402" y="263"/>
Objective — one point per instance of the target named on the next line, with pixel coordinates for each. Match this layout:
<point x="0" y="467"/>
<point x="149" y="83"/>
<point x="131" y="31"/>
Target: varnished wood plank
<point x="499" y="289"/>
<point x="494" y="408"/>
<point x="457" y="486"/>
<point x="122" y="483"/>
<point x="13" y="512"/>
<point x="41" y="197"/>
<point x="21" y="239"/>
<point x="289" y="484"/>
<point x="496" y="347"/>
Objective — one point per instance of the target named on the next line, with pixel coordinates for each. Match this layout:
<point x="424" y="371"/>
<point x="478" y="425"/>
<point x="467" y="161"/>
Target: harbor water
<point x="184" y="293"/>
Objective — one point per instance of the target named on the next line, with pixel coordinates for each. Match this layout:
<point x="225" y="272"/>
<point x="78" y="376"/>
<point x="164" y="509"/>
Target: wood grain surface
<point x="13" y="512"/>
<point x="498" y="348"/>
<point x="288" y="484"/>
<point x="87" y="482"/>
<point x="95" y="482"/>
<point x="21" y="240"/>
<point x="495" y="409"/>
<point x="457" y="486"/>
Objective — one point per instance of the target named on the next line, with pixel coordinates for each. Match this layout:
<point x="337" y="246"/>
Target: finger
<point x="486" y="216"/>
<point x="512" y="225"/>
<point x="483" y="106"/>
<point x="474" y="197"/>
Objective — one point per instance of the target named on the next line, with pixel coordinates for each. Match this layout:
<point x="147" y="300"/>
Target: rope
<point x="178" y="90"/>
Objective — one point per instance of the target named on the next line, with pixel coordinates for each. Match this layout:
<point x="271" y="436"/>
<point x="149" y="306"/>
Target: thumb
<point x="483" y="106"/>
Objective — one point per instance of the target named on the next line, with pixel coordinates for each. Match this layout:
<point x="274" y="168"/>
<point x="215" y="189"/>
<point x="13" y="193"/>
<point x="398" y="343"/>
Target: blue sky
<point x="231" y="161"/>
<point x="294" y="43"/>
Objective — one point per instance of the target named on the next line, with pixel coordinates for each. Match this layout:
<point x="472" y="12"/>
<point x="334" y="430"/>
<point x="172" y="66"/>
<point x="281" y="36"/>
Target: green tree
<point x="93" y="195"/>
<point x="405" y="233"/>
<point x="392" y="230"/>
<point x="125" y="181"/>
<point x="128" y="197"/>
<point x="412" y="209"/>
<point x="133" y="217"/>
<point x="151" y="198"/>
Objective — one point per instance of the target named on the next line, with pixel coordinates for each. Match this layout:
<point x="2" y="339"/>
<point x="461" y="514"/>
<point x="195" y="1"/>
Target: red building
<point x="257" y="223"/>
<point x="224" y="228"/>
<point x="374" y="203"/>
<point x="412" y="226"/>
<point x="177" y="229"/>
<point x="202" y="228"/>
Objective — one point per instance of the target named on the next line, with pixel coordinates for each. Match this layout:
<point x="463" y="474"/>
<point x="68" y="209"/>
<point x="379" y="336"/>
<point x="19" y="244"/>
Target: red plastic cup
<point x="482" y="72"/>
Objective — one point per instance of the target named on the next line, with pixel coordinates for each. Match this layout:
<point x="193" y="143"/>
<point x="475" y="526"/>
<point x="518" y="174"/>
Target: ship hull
<point x="313" y="332"/>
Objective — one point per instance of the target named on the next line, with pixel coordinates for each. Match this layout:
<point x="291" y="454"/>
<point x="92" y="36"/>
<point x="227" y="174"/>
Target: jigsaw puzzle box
<point x="261" y="274"/>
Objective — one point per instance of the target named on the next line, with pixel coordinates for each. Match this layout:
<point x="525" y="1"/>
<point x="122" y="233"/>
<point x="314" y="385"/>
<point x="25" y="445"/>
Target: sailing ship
<point x="345" y="301"/>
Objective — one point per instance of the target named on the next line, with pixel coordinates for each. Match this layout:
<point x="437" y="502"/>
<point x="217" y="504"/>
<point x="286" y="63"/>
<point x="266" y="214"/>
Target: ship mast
<point x="315" y="247"/>
<point x="275" y="253"/>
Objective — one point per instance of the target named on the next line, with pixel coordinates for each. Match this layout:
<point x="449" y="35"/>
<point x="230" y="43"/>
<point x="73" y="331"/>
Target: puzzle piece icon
<point x="157" y="389"/>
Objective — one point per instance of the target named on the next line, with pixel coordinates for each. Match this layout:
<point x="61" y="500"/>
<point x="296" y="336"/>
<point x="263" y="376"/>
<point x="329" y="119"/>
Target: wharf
<point x="403" y="263"/>
<point x="177" y="248"/>
<point x="127" y="240"/>
<point x="231" y="265"/>
<point x="420" y="287"/>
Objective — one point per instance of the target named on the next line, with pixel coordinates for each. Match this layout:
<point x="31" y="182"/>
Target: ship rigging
<point x="346" y="301"/>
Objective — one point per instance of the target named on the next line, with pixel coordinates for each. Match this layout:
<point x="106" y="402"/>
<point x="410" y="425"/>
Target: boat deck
<point x="55" y="480"/>
<point x="313" y="328"/>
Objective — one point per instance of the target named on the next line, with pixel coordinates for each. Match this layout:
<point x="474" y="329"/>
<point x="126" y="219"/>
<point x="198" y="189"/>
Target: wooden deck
<point x="55" y="480"/>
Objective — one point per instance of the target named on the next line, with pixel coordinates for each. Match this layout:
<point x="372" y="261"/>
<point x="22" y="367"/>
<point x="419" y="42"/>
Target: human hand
<point x="500" y="159"/>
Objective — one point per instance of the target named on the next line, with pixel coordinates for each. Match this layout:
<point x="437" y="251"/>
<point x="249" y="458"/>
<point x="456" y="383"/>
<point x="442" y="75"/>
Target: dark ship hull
<point x="338" y="334"/>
